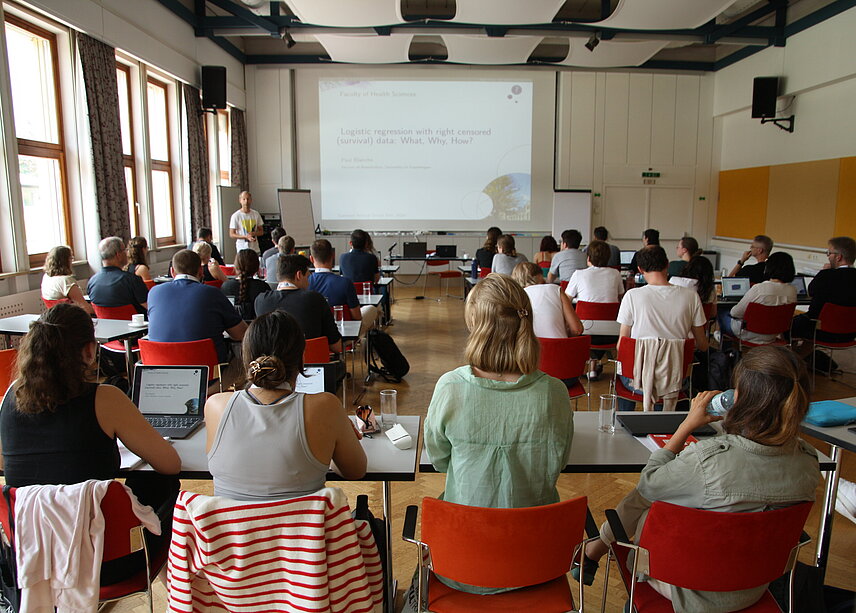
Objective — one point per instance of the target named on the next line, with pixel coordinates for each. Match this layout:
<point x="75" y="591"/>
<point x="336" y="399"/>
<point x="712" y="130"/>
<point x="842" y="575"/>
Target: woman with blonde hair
<point x="211" y="270"/>
<point x="58" y="282"/>
<point x="553" y="313"/>
<point x="500" y="428"/>
<point x="760" y="463"/>
<point x="138" y="255"/>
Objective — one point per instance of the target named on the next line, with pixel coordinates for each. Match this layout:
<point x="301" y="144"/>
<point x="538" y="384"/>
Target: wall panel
<point x="743" y="194"/>
<point x="641" y="89"/>
<point x="615" y="126"/>
<point x="845" y="206"/>
<point x="664" y="103"/>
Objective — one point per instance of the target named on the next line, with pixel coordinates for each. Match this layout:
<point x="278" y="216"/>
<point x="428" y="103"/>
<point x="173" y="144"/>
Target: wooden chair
<point x="566" y="358"/>
<point x="185" y="353"/>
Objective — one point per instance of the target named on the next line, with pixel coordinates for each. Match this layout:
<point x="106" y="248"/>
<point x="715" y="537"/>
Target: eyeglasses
<point x="829" y="253"/>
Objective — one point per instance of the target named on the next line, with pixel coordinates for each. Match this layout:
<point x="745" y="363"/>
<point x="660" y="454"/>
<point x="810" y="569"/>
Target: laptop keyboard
<point x="176" y="421"/>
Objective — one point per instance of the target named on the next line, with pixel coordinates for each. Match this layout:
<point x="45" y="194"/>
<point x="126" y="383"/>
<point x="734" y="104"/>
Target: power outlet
<point x="814" y="257"/>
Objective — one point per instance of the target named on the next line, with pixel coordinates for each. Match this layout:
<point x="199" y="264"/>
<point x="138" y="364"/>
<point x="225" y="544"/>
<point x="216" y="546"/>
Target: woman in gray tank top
<point x="268" y="442"/>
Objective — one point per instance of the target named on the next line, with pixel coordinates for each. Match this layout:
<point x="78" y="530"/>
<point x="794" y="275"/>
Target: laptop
<point x="318" y="378"/>
<point x="446" y="251"/>
<point x="415" y="250"/>
<point x="171" y="398"/>
<point x="802" y="289"/>
<point x="643" y="424"/>
<point x="626" y="257"/>
<point x="735" y="287"/>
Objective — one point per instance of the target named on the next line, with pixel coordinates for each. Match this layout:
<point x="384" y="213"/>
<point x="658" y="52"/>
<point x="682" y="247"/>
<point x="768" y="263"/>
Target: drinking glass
<point x="606" y="415"/>
<point x="367" y="289"/>
<point x="339" y="316"/>
<point x="388" y="408"/>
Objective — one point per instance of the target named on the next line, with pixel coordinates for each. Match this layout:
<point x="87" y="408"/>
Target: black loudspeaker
<point x="213" y="87"/>
<point x="764" y="93"/>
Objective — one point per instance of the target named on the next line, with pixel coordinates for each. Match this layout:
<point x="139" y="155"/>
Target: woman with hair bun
<point x="290" y="436"/>
<point x="138" y="258"/>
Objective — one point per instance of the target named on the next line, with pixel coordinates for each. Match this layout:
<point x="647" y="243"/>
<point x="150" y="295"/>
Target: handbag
<point x="830" y="413"/>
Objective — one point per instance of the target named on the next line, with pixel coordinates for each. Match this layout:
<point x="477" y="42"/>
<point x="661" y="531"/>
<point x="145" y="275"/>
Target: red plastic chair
<point x="598" y="311"/>
<point x="563" y="285"/>
<point x="123" y="313"/>
<point x="483" y="272"/>
<point x="8" y="357"/>
<point x="215" y="283"/>
<point x="566" y="358"/>
<point x="529" y="548"/>
<point x="51" y="303"/>
<point x="150" y="283"/>
<point x="228" y="270"/>
<point x="625" y="361"/>
<point x="360" y="287"/>
<point x="763" y="319"/>
<point x="185" y="353"/>
<point x="443" y="275"/>
<point x="123" y="535"/>
<point x="709" y="551"/>
<point x="835" y="319"/>
<point x="317" y="351"/>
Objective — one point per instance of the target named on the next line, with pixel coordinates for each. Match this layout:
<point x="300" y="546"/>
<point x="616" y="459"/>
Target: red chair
<point x="443" y="275"/>
<point x="709" y="551"/>
<point x="529" y="548"/>
<point x="598" y="311"/>
<point x="483" y="272"/>
<point x="317" y="351"/>
<point x="8" y="358"/>
<point x="228" y="270"/>
<point x="625" y="361"/>
<point x="360" y="287"/>
<point x="545" y="267"/>
<point x="835" y="319"/>
<point x="51" y="303"/>
<point x="215" y="283"/>
<point x="150" y="283"/>
<point x="185" y="353"/>
<point x="123" y="535"/>
<point x="563" y="285"/>
<point x="566" y="358"/>
<point x="763" y="319"/>
<point x="123" y="313"/>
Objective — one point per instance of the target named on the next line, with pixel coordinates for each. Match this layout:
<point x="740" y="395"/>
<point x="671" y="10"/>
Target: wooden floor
<point x="432" y="334"/>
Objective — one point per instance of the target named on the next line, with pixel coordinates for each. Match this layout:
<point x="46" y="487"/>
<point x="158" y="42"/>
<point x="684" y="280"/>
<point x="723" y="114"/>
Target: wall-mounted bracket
<point x="780" y="121"/>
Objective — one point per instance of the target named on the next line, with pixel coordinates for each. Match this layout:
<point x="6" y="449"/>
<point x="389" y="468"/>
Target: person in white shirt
<point x="246" y="224"/>
<point x="598" y="282"/>
<point x="553" y="314"/>
<point x="776" y="291"/>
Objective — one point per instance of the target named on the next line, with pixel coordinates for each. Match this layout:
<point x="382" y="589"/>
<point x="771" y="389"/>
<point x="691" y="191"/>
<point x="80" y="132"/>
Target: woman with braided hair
<point x="245" y="287"/>
<point x="291" y="436"/>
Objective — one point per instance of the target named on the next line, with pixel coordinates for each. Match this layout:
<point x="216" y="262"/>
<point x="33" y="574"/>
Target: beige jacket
<point x="658" y="371"/>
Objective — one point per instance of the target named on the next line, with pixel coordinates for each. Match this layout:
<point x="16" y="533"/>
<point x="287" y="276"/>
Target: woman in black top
<point x="484" y="256"/>
<point x="245" y="288"/>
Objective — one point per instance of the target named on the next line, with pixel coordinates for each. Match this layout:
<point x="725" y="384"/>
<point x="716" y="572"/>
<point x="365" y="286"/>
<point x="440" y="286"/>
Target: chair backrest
<point x="346" y="312"/>
<point x="215" y="283"/>
<point x="564" y="358"/>
<point x="597" y="311"/>
<point x="433" y="263"/>
<point x="544" y="264"/>
<point x="483" y="272"/>
<point x="186" y="353"/>
<point x="837" y="319"/>
<point x="709" y="309"/>
<point x="563" y="285"/>
<point x="50" y="303"/>
<point x="502" y="547"/>
<point x="721" y="552"/>
<point x="124" y="312"/>
<point x="360" y="287"/>
<point x="626" y="355"/>
<point x="317" y="351"/>
<point x="8" y="358"/>
<point x="122" y="530"/>
<point x="150" y="283"/>
<point x="763" y="319"/>
<point x="227" y="270"/>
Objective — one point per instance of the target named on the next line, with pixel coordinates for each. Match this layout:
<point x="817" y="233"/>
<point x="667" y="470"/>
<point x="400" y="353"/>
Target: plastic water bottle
<point x="475" y="269"/>
<point x="721" y="403"/>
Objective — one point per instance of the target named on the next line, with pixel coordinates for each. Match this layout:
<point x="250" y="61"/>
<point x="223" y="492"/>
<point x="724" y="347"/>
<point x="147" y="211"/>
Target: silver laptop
<point x="171" y="398"/>
<point x="317" y="378"/>
<point x="626" y="257"/>
<point x="735" y="287"/>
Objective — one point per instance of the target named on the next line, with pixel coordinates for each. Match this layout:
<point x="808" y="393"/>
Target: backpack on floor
<point x="393" y="363"/>
<point x="719" y="370"/>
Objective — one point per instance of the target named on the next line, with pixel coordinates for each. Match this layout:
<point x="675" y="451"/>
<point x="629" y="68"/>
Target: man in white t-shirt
<point x="246" y="224"/>
<point x="658" y="309"/>
<point x="598" y="282"/>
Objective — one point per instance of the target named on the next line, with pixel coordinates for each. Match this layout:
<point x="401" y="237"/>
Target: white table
<point x="370" y="299"/>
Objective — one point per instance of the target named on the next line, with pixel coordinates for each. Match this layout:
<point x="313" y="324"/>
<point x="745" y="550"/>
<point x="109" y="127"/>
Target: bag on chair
<point x="378" y="528"/>
<point x="394" y="366"/>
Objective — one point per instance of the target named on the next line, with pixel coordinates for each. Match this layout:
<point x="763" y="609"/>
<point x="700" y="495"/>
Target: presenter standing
<point x="246" y="224"/>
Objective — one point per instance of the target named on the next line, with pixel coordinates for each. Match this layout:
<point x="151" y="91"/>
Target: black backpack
<point x="393" y="363"/>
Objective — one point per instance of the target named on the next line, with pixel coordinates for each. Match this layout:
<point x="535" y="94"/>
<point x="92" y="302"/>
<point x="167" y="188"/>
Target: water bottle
<point x="475" y="269"/>
<point x="721" y="403"/>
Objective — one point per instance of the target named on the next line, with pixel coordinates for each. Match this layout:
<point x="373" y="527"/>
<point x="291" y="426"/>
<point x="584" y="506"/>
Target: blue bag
<point x="830" y="413"/>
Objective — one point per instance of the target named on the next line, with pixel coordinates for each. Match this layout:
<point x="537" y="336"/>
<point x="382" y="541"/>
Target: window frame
<point x="224" y="177"/>
<point x="129" y="160"/>
<point x="162" y="165"/>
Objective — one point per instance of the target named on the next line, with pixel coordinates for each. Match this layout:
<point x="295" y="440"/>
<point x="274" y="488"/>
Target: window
<point x="224" y="141"/>
<point x="32" y="53"/>
<point x="126" y="118"/>
<point x="163" y="210"/>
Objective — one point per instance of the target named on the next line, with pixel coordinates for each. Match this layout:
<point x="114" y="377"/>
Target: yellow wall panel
<point x="802" y="202"/>
<point x="742" y="208"/>
<point x="845" y="209"/>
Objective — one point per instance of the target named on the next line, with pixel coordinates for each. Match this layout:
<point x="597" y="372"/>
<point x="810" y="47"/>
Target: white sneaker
<point x="717" y="336"/>
<point x="845" y="503"/>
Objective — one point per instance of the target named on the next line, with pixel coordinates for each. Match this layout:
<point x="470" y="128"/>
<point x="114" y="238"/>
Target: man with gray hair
<point x="112" y="286"/>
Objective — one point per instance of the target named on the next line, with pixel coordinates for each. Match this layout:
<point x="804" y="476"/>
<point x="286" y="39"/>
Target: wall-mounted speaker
<point x="764" y="93"/>
<point x="213" y="87"/>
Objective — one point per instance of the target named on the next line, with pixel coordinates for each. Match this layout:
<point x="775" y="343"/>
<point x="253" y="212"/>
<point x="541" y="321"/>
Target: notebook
<point x="317" y="378"/>
<point x="643" y="424"/>
<point x="735" y="287"/>
<point x="415" y="250"/>
<point x="171" y="398"/>
<point x="446" y="251"/>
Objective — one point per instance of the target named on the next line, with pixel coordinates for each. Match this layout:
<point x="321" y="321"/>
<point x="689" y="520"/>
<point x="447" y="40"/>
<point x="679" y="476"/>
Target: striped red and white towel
<point x="301" y="555"/>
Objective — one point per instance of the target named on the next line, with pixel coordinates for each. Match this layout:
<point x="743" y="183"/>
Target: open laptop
<point x="171" y="398"/>
<point x="802" y="289"/>
<point x="626" y="257"/>
<point x="446" y="251"/>
<point x="318" y="378"/>
<point x="735" y="287"/>
<point x="643" y="424"/>
<point x="415" y="250"/>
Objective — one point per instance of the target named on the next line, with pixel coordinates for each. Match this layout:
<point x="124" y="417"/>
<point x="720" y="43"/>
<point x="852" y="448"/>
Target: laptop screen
<point x="316" y="379"/>
<point x="170" y="390"/>
<point x="627" y="257"/>
<point x="735" y="286"/>
<point x="415" y="250"/>
<point x="799" y="283"/>
<point x="446" y="251"/>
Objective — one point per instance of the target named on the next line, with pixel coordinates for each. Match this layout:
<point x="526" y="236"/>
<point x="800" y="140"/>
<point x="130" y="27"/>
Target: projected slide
<point x="433" y="150"/>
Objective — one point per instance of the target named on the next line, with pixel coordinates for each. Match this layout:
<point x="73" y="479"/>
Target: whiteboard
<point x="572" y="211"/>
<point x="295" y="207"/>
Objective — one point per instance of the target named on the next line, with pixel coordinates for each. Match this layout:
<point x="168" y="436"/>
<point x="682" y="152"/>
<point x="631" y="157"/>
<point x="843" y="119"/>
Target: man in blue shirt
<point x="359" y="265"/>
<point x="185" y="309"/>
<point x="338" y="290"/>
<point x="112" y="286"/>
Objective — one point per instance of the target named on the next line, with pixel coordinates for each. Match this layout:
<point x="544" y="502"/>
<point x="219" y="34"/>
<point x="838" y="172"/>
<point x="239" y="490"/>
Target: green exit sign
<point x="650" y="175"/>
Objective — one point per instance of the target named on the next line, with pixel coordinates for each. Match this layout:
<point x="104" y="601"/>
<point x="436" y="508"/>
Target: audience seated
<point x="835" y="284"/>
<point x="484" y="255"/>
<point x="357" y="264"/>
<point x="204" y="234"/>
<point x="284" y="246"/>
<point x="111" y="286"/>
<point x="506" y="257"/>
<point x="698" y="275"/>
<point x="185" y="309"/>
<point x="517" y="464"/>
<point x="245" y="287"/>
<point x="58" y="282"/>
<point x="686" y="249"/>
<point x="276" y="234"/>
<point x="308" y="307"/>
<point x="138" y="254"/>
<point x="546" y="250"/>
<point x="292" y="437"/>
<point x="338" y="290"/>
<point x="553" y="315"/>
<point x="598" y="282"/>
<point x="759" y="249"/>
<point x="370" y="248"/>
<point x="602" y="234"/>
<point x="779" y="271"/>
<point x="650" y="237"/>
<point x="59" y="426"/>
<point x="760" y="463"/>
<point x="211" y="270"/>
<point x="569" y="260"/>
